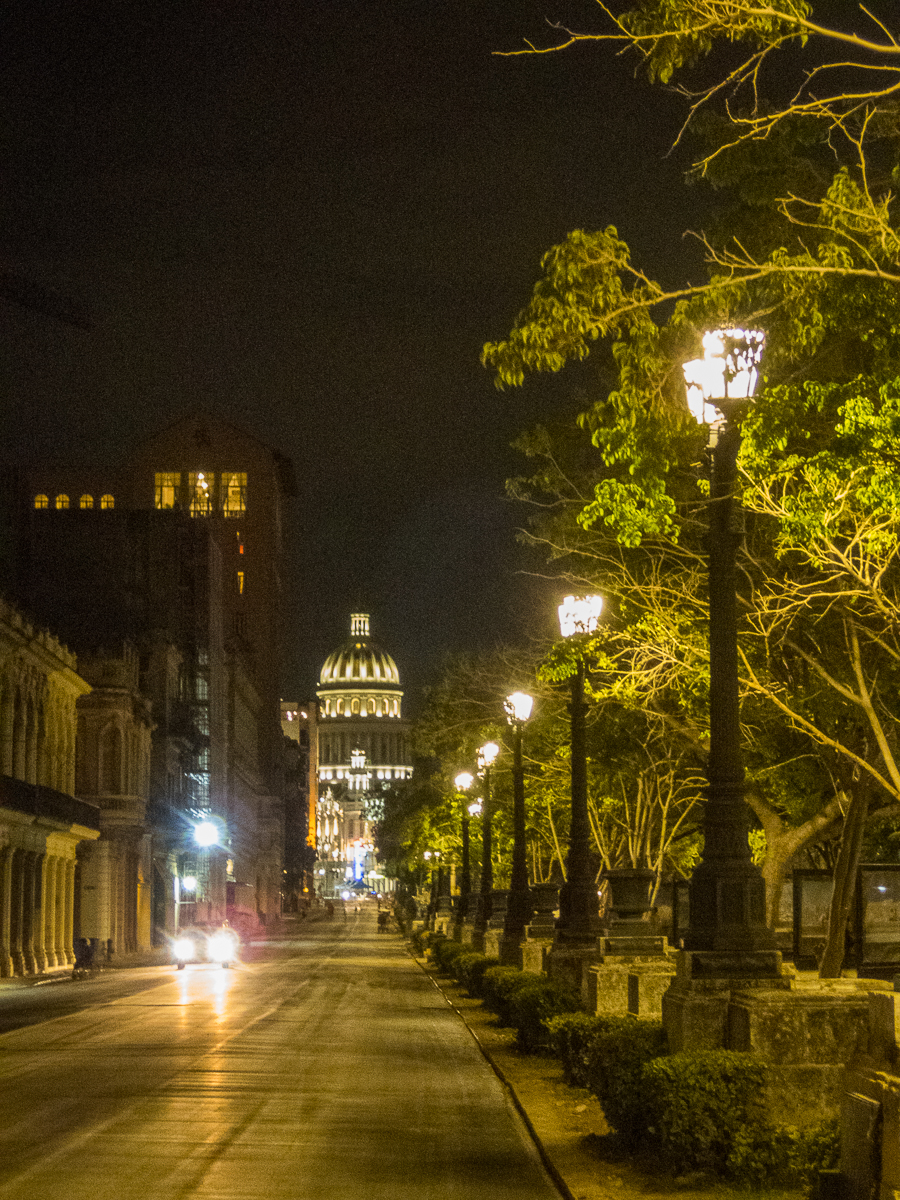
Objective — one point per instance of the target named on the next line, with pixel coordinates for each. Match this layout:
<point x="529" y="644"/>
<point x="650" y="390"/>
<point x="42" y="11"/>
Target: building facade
<point x="43" y="827"/>
<point x="175" y="553"/>
<point x="363" y="750"/>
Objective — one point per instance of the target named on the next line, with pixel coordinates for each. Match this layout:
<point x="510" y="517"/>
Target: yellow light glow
<point x="579" y="614"/>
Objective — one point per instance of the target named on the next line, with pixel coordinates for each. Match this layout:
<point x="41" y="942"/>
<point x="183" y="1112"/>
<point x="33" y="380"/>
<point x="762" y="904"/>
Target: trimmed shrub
<point x="702" y="1102"/>
<point x="568" y="1037"/>
<point x="420" y="939"/>
<point x="445" y="953"/>
<point x="711" y="1115"/>
<point x="497" y="987"/>
<point x="615" y="1058"/>
<point x="469" y="969"/>
<point x="537" y="1001"/>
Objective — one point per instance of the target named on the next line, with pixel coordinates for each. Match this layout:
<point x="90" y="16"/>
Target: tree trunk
<point x="844" y="881"/>
<point x="782" y="845"/>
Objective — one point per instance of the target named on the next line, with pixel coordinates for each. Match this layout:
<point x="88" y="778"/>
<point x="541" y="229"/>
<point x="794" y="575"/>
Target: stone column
<point x="17" y="899"/>
<point x="51" y="866"/>
<point x="30" y="902"/>
<point x="68" y="922"/>
<point x="39" y="942"/>
<point x="59" y="917"/>
<point x="6" y="962"/>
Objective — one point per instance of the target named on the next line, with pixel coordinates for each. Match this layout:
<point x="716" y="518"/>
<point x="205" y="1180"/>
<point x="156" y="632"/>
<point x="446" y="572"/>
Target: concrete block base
<point x="570" y="963"/>
<point x="534" y="956"/>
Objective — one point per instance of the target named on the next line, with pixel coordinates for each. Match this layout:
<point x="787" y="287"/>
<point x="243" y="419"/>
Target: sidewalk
<point x="567" y="1122"/>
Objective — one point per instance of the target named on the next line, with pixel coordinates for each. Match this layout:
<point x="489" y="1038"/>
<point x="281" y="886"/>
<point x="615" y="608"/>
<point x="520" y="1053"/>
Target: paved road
<point x="329" y="1068"/>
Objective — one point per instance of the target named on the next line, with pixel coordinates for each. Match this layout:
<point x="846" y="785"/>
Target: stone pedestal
<point x="534" y="955"/>
<point x="695" y="1006"/>
<point x="805" y="1035"/>
<point x="870" y="1109"/>
<point x="806" y="1038"/>
<point x="569" y="962"/>
<point x="466" y="933"/>
<point x="492" y="939"/>
<point x="627" y="984"/>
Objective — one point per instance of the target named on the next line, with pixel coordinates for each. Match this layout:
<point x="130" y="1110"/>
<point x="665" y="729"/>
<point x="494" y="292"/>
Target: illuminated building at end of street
<point x="363" y="750"/>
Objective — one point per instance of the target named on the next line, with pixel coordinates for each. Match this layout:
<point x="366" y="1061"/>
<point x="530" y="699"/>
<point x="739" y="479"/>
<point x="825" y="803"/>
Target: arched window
<point x="62" y="500"/>
<point x="340" y="706"/>
<point x="42" y="501"/>
<point x="354" y="707"/>
<point x="107" y="501"/>
<point x="370" y="706"/>
<point x="86" y="501"/>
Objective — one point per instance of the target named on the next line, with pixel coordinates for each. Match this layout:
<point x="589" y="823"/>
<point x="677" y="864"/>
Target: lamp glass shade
<point x="475" y="808"/>
<point x="518" y="707"/>
<point x="487" y="753"/>
<point x="579" y="614"/>
<point x="463" y="781"/>
<point x="727" y="372"/>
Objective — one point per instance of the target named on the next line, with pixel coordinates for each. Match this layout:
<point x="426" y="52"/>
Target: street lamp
<point x="486" y="756"/>
<point x="579" y="917"/>
<point x="463" y="782"/>
<point x="727" y="893"/>
<point x="518" y="708"/>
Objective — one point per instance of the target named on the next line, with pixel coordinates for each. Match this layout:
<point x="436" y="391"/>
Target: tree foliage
<point x="818" y="573"/>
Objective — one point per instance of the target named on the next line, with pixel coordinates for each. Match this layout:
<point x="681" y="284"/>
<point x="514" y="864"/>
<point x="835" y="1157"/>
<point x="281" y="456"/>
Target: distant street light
<point x="579" y="909"/>
<point x="206" y="833"/>
<point x="518" y="708"/>
<point x="486" y="756"/>
<point x="727" y="894"/>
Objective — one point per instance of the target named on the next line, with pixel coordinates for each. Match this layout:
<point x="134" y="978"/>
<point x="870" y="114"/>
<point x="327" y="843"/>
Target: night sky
<point x="308" y="217"/>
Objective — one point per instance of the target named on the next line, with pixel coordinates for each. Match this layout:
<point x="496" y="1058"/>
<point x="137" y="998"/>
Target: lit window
<point x="240" y="543"/>
<point x="86" y="502"/>
<point x="167" y="485"/>
<point x="371" y="705"/>
<point x="42" y="501"/>
<point x="340" y="706"/>
<point x="107" y="501"/>
<point x="200" y="485"/>
<point x="234" y="493"/>
<point x="240" y="582"/>
<point x="354" y="707"/>
<point x="62" y="500"/>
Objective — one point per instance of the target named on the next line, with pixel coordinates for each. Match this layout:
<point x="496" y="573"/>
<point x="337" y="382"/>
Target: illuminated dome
<point x="359" y="662"/>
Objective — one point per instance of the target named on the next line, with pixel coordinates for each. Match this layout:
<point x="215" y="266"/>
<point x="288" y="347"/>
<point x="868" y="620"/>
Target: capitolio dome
<point x="359" y="661"/>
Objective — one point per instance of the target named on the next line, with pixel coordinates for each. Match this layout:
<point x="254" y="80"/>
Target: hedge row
<point x="699" y="1111"/>
<point x="702" y="1111"/>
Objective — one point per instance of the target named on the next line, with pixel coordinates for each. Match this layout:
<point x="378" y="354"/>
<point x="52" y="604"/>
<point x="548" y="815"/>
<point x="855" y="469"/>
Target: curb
<point x="547" y="1162"/>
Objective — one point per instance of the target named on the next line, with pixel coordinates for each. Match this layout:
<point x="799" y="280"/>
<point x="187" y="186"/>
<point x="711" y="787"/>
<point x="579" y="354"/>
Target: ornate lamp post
<point x="486" y="756"/>
<point x="519" y="905"/>
<point x="727" y="894"/>
<point x="463" y="782"/>
<point x="579" y="920"/>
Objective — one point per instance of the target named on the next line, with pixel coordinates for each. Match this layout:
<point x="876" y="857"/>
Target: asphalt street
<point x="324" y="1065"/>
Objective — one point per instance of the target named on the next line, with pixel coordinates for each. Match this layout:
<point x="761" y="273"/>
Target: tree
<point x="817" y="263"/>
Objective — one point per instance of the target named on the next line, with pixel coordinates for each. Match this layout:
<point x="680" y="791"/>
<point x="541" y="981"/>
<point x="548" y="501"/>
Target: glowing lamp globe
<point x="726" y="376"/>
<point x="579" y="614"/>
<point x="487" y="754"/>
<point x="518" y="707"/>
<point x="206" y="834"/>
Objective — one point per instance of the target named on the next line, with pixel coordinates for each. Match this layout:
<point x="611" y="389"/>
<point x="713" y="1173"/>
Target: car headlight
<point x="221" y="946"/>
<point x="184" y="948"/>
